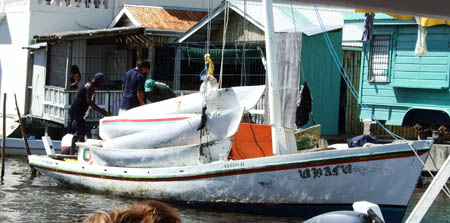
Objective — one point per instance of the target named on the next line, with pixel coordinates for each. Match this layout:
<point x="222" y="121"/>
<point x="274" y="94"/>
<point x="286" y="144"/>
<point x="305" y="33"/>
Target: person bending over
<point x="78" y="110"/>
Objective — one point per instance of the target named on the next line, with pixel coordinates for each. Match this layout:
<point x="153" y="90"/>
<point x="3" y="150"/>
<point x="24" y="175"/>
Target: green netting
<point x="216" y="54"/>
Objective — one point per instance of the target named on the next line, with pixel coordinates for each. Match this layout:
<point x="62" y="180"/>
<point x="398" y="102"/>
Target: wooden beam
<point x="4" y="136"/>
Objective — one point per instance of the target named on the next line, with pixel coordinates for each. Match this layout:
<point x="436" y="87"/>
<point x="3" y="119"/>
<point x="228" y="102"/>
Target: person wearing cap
<point x="78" y="110"/>
<point x="133" y="87"/>
<point x="157" y="91"/>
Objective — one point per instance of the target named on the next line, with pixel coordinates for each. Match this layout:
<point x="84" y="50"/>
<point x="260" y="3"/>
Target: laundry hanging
<point x="368" y="27"/>
<point x="421" y="44"/>
<point x="304" y="105"/>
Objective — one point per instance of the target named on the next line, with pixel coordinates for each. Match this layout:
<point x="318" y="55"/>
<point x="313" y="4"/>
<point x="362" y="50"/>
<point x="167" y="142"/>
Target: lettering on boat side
<point x="232" y="165"/>
<point x="317" y="172"/>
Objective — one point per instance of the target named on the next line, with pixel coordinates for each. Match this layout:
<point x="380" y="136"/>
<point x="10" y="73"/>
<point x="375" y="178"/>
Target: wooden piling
<point x="24" y="136"/>
<point x="22" y="128"/>
<point x="3" y="137"/>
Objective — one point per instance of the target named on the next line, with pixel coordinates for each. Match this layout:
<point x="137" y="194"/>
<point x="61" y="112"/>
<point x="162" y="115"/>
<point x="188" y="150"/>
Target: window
<point x="379" y="58"/>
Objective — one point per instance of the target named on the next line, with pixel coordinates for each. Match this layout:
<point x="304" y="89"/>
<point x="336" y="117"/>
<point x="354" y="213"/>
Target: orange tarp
<point x="251" y="141"/>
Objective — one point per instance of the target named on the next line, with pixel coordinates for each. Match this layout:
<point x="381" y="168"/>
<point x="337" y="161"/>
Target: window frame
<point x="389" y="59"/>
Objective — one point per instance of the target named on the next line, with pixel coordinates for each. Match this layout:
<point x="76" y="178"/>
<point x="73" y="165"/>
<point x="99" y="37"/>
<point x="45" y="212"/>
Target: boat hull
<point x="385" y="175"/>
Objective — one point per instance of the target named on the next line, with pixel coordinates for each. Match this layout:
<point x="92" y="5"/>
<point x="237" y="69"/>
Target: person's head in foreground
<point x="141" y="212"/>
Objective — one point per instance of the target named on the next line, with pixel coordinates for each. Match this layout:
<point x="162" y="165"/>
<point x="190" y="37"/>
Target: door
<point x="38" y="82"/>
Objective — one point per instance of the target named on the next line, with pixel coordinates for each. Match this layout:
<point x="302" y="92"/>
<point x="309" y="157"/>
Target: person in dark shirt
<point x="75" y="78"/>
<point x="78" y="110"/>
<point x="157" y="91"/>
<point x="133" y="87"/>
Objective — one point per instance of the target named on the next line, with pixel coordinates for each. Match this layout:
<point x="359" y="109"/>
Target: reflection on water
<point x="41" y="199"/>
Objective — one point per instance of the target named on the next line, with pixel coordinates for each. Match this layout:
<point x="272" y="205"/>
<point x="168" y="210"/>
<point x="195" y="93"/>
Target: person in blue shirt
<point x="133" y="87"/>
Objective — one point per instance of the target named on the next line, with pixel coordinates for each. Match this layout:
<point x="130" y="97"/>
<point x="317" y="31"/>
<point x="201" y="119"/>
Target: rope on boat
<point x="243" y="65"/>
<point x="224" y="38"/>
<point x="208" y="30"/>
<point x="355" y="93"/>
<point x="445" y="188"/>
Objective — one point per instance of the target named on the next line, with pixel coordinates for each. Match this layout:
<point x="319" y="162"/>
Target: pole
<point x="22" y="128"/>
<point x="68" y="64"/>
<point x="4" y="136"/>
<point x="278" y="139"/>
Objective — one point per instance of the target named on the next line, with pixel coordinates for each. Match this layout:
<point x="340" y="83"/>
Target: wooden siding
<point x="353" y="126"/>
<point x="351" y="60"/>
<point x="413" y="81"/>
<point x="38" y="84"/>
<point x="235" y="30"/>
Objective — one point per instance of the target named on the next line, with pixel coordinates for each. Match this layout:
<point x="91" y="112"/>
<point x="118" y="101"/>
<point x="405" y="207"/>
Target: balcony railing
<point x="76" y="3"/>
<point x="32" y="5"/>
<point x="57" y="103"/>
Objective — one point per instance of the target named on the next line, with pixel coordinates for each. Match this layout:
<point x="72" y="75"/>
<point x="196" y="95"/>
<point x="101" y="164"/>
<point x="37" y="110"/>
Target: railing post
<point x="176" y="78"/>
<point x="107" y="99"/>
<point x="65" y="110"/>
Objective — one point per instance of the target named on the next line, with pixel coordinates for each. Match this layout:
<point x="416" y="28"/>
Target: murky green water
<point x="40" y="199"/>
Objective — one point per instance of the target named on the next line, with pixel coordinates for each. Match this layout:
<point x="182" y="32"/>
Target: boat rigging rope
<point x="445" y="188"/>
<point x="208" y="30"/>
<point x="355" y="93"/>
<point x="244" y="36"/>
<point x="224" y="38"/>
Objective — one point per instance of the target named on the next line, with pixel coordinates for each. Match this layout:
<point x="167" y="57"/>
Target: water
<point x="41" y="199"/>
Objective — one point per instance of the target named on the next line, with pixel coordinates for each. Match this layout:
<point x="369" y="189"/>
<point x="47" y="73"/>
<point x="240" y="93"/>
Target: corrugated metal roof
<point x="90" y="34"/>
<point x="287" y="17"/>
<point x="290" y="17"/>
<point x="351" y="35"/>
<point x="163" y="18"/>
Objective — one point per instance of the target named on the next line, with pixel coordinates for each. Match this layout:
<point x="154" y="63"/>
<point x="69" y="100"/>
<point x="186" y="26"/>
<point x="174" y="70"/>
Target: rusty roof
<point x="161" y="18"/>
<point x="90" y="34"/>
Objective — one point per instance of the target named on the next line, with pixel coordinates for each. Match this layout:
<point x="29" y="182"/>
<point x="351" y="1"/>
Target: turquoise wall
<point x="413" y="82"/>
<point x="323" y="78"/>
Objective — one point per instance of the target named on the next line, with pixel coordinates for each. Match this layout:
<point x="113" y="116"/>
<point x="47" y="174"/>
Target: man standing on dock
<point x="78" y="110"/>
<point x="133" y="87"/>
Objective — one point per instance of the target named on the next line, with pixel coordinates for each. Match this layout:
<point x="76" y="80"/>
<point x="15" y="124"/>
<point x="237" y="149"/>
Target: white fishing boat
<point x="265" y="174"/>
<point x="303" y="184"/>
